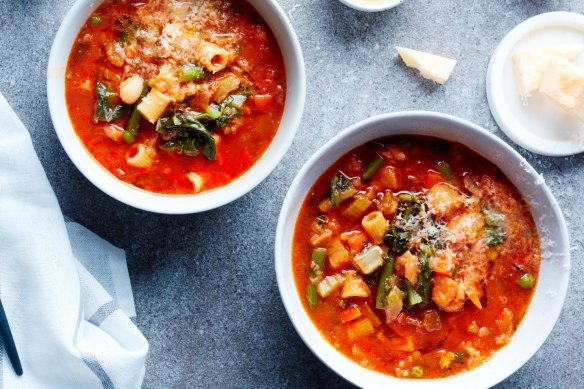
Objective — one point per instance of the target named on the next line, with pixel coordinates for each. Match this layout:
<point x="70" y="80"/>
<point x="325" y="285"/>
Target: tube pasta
<point x="197" y="181"/>
<point x="375" y="225"/>
<point x="153" y="105"/>
<point x="357" y="207"/>
<point x="212" y="57"/>
<point x="144" y="157"/>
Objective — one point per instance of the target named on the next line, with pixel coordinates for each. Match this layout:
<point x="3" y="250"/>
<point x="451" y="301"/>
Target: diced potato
<point x="354" y="286"/>
<point x="444" y="200"/>
<point x="330" y="284"/>
<point x="411" y="265"/>
<point x="338" y="255"/>
<point x="369" y="260"/>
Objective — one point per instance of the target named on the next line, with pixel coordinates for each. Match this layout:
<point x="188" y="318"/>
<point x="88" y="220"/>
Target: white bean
<point x="131" y="89"/>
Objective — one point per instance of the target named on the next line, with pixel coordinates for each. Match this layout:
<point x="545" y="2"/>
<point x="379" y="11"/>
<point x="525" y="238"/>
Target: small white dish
<point x="540" y="126"/>
<point x="372" y="5"/>
<point x="552" y="284"/>
<point x="282" y="29"/>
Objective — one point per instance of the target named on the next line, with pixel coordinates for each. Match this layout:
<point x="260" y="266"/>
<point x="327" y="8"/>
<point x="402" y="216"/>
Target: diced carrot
<point x="262" y="102"/>
<point x="433" y="178"/>
<point x="350" y="314"/>
<point x="354" y="239"/>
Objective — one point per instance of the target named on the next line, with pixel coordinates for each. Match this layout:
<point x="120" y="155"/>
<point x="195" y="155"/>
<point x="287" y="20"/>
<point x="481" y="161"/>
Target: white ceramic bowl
<point x="177" y="204"/>
<point x="372" y="5"/>
<point x="555" y="267"/>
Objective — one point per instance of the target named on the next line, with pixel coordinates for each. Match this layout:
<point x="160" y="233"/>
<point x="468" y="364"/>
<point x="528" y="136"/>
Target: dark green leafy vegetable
<point x="190" y="132"/>
<point x="106" y="109"/>
<point x="187" y="135"/>
<point x="397" y="239"/>
<point x="311" y="295"/>
<point x="339" y="184"/>
<point x="373" y="166"/>
<point x="424" y="284"/>
<point x="383" y="285"/>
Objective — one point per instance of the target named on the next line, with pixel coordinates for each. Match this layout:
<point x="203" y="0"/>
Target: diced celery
<point x="330" y="284"/>
<point x="369" y="260"/>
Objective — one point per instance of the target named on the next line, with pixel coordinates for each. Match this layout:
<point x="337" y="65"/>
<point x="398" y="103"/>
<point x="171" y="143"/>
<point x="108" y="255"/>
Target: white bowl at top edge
<point x="372" y="5"/>
<point x="550" y="292"/>
<point x="282" y="29"/>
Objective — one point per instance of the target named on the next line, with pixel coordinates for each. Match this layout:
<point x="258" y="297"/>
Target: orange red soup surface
<point x="415" y="257"/>
<point x="204" y="81"/>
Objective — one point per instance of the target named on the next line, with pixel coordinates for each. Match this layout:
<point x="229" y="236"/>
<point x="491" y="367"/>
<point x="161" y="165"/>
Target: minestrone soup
<point x="415" y="257"/>
<point x="176" y="97"/>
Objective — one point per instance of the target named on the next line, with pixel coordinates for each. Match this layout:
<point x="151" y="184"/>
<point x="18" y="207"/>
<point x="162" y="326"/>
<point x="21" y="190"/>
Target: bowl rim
<point x="373" y="7"/>
<point x="280" y="25"/>
<point x="350" y="370"/>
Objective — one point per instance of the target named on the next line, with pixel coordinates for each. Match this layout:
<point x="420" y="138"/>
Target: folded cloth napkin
<point x="66" y="292"/>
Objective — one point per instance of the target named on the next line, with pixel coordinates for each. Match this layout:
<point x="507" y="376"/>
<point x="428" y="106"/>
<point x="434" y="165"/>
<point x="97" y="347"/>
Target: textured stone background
<point x="204" y="284"/>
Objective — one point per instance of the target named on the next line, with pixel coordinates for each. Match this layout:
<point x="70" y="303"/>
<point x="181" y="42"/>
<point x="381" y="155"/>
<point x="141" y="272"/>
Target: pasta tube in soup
<point x="163" y="91"/>
<point x="415" y="257"/>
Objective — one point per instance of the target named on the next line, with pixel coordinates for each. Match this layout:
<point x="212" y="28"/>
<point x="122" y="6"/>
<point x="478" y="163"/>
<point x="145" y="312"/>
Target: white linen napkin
<point x="66" y="292"/>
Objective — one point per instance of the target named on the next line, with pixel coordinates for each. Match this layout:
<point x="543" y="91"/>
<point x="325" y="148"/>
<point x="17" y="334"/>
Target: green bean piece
<point x="445" y="170"/>
<point x="134" y="121"/>
<point x="373" y="166"/>
<point x="417" y="372"/>
<point x="383" y="286"/>
<point x="526" y="281"/>
<point x="192" y="73"/>
<point x="129" y="137"/>
<point x="318" y="256"/>
<point x="311" y="295"/>
<point x="95" y="20"/>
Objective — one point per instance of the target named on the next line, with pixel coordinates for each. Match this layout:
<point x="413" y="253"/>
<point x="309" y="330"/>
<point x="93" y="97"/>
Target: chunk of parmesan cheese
<point x="432" y="67"/>
<point x="563" y="83"/>
<point x="531" y="64"/>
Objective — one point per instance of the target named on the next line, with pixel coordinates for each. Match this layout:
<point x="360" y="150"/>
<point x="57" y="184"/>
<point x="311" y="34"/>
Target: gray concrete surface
<point x="204" y="284"/>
